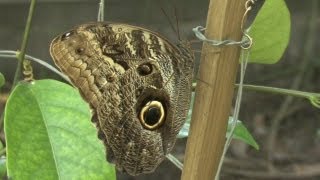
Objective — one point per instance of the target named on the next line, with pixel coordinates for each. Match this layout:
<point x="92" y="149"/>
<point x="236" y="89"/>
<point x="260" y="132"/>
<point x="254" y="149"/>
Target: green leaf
<point x="270" y="32"/>
<point x="2" y="80"/>
<point x="241" y="133"/>
<point x="49" y="134"/>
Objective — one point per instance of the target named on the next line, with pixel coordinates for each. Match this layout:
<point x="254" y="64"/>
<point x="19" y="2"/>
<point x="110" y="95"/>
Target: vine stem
<point x="282" y="91"/>
<point x="244" y="61"/>
<point x="101" y="11"/>
<point x="175" y="161"/>
<point x="287" y="92"/>
<point x="24" y="43"/>
<point x="13" y="54"/>
<point x="21" y="55"/>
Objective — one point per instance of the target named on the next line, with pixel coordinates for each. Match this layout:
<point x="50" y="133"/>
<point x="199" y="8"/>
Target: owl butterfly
<point x="137" y="83"/>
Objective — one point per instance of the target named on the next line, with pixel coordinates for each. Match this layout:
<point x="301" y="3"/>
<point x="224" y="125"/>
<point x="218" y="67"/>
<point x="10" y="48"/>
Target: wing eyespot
<point x="145" y="69"/>
<point x="80" y="50"/>
<point x="152" y="115"/>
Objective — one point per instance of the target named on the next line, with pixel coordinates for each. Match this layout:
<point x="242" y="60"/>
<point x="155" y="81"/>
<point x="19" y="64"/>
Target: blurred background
<point x="293" y="123"/>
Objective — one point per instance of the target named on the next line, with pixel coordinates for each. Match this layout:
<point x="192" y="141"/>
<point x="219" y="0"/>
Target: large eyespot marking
<point x="66" y="35"/>
<point x="144" y="69"/>
<point x="152" y="115"/>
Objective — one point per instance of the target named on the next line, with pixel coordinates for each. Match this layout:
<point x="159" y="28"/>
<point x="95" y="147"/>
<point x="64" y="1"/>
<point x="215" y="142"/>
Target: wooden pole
<point x="214" y="91"/>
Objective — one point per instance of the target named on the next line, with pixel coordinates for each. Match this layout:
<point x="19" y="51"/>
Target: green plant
<point x="47" y="124"/>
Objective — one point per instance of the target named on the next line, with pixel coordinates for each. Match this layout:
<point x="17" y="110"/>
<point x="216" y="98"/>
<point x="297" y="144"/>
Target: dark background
<point x="297" y="147"/>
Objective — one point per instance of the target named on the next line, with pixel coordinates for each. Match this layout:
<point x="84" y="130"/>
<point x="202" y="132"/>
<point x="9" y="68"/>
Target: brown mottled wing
<point x="119" y="69"/>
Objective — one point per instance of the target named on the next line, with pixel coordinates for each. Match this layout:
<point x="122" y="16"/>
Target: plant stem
<point x="281" y="91"/>
<point x="175" y="161"/>
<point x="244" y="62"/>
<point x="21" y="55"/>
<point x="307" y="56"/>
<point x="24" y="43"/>
<point x="101" y="11"/>
<point x="275" y="90"/>
<point x="12" y="54"/>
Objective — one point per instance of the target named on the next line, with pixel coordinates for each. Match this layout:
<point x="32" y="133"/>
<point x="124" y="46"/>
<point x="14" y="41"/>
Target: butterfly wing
<point x="137" y="83"/>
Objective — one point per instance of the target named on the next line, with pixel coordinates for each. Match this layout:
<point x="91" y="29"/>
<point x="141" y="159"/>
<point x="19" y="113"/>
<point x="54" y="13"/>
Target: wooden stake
<point x="214" y="91"/>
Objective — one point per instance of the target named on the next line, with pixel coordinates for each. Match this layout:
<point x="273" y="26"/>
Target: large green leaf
<point x="49" y="134"/>
<point x="270" y="32"/>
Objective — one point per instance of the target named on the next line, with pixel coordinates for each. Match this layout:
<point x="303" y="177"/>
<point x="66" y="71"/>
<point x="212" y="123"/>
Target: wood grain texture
<point x="214" y="91"/>
<point x="137" y="83"/>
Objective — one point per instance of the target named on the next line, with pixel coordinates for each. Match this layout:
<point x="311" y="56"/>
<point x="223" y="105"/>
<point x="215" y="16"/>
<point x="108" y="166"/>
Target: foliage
<point x="49" y="134"/>
<point x="270" y="32"/>
<point x="47" y="124"/>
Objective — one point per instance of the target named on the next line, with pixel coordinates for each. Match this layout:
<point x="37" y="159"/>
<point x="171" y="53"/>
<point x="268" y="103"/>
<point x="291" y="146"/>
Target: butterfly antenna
<point x="177" y="22"/>
<point x="170" y="22"/>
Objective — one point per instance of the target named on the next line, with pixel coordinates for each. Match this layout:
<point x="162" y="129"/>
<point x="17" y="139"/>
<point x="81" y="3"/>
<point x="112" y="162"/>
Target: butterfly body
<point x="137" y="83"/>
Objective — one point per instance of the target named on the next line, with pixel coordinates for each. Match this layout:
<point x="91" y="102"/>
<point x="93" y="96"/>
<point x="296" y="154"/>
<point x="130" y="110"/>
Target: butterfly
<point x="138" y="85"/>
